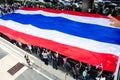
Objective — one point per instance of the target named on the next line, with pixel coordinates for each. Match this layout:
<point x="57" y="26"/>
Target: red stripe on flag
<point x="65" y="11"/>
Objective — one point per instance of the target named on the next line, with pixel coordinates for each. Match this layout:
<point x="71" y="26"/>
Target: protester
<point x="81" y="71"/>
<point x="29" y="48"/>
<point x="67" y="66"/>
<point x="84" y="74"/>
<point x="76" y="70"/>
<point x="45" y="56"/>
<point x="49" y="56"/>
<point x="101" y="78"/>
<point x="55" y="60"/>
<point x="28" y="60"/>
<point x="77" y="73"/>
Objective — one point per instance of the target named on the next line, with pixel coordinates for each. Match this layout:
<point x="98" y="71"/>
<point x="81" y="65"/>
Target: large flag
<point x="84" y="37"/>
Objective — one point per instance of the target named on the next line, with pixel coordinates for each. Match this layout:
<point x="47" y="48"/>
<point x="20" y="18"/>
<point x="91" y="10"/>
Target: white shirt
<point x="98" y="78"/>
<point x="45" y="56"/>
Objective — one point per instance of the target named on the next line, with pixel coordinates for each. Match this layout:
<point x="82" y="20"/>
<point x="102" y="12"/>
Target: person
<point x="100" y="73"/>
<point x="84" y="74"/>
<point x="29" y="48"/>
<point x="77" y="69"/>
<point x="114" y="22"/>
<point x="67" y="66"/>
<point x="101" y="78"/>
<point x="45" y="56"/>
<point x="55" y="60"/>
<point x="28" y="60"/>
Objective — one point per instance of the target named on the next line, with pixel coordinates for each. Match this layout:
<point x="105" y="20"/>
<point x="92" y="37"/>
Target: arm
<point x="100" y="73"/>
<point x="115" y="22"/>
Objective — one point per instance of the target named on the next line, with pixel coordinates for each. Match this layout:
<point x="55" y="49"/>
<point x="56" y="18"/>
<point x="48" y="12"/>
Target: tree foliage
<point x="2" y="1"/>
<point x="10" y="1"/>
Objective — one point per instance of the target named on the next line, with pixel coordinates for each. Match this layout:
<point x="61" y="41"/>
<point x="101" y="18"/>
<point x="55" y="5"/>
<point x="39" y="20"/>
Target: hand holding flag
<point x="114" y="21"/>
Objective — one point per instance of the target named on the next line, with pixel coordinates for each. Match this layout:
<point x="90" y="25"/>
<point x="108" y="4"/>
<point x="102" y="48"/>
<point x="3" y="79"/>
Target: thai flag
<point x="99" y="66"/>
<point x="84" y="37"/>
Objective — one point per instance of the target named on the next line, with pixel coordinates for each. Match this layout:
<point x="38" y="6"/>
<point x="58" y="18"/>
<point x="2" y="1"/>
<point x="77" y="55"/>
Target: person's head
<point x="85" y="70"/>
<point x="26" y="56"/>
<point x="56" y="54"/>
<point x="65" y="59"/>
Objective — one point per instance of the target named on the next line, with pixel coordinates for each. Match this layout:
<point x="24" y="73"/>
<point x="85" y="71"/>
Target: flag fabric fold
<point x="81" y="36"/>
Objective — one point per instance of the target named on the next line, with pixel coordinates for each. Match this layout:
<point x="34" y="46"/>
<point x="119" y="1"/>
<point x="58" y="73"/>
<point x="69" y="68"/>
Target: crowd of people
<point x="103" y="8"/>
<point x="78" y="70"/>
<point x="7" y="8"/>
<point x="99" y="8"/>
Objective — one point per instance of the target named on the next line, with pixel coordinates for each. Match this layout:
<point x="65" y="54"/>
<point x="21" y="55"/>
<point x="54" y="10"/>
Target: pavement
<point x="10" y="55"/>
